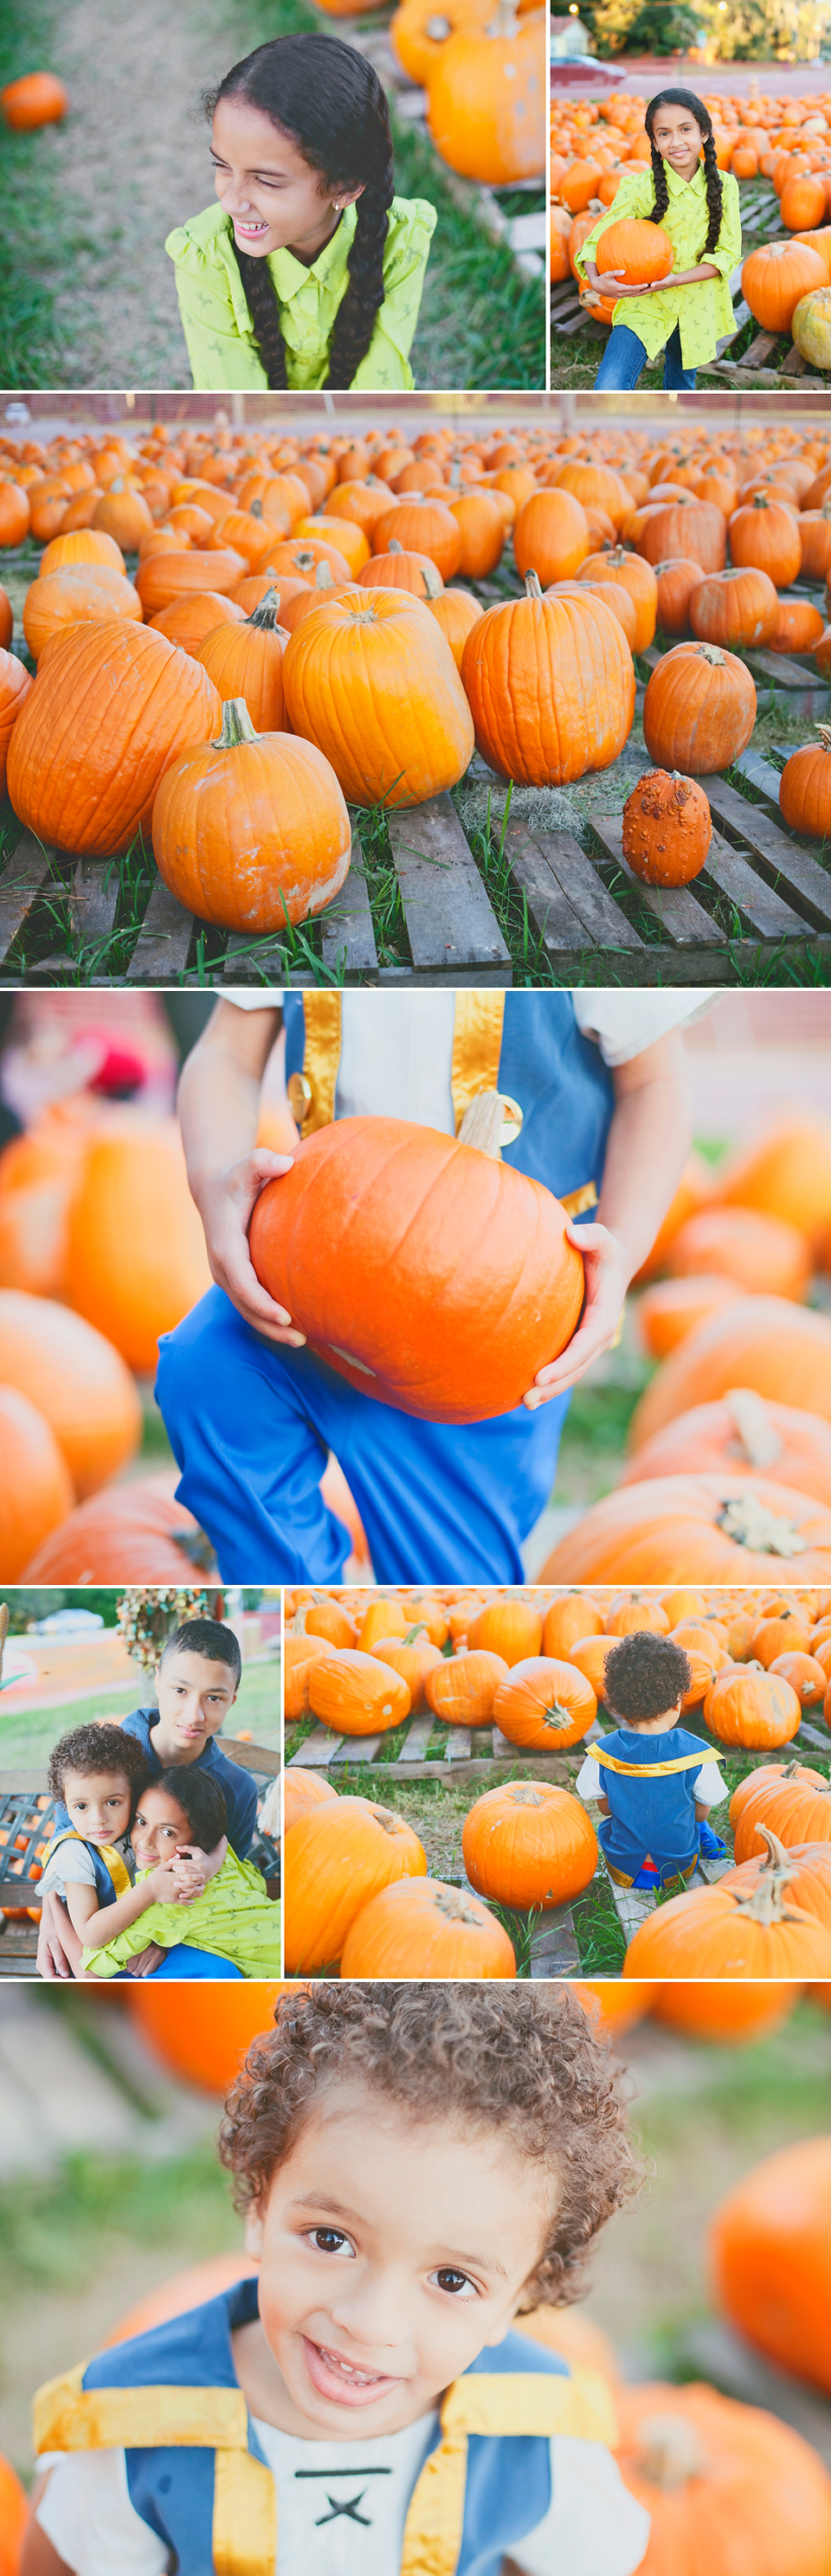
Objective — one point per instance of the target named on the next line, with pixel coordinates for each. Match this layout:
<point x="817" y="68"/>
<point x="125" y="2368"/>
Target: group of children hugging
<point x="147" y="1871"/>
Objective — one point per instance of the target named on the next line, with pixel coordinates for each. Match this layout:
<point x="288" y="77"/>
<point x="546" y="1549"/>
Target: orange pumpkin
<point x="123" y="513"/>
<point x="545" y="1705"/>
<point x="130" y="1533"/>
<point x="412" y="1657"/>
<point x="667" y="829"/>
<point x="799" y="626"/>
<point x="682" y="527"/>
<point x="14" y="2507"/>
<point x="699" y="709"/>
<point x="763" y="1253"/>
<point x="805" y="787"/>
<point x="741" y="1430"/>
<point x="324" y="1617"/>
<point x="573" y="1617"/>
<point x="15" y="514"/>
<point x="38" y="98"/>
<point x="197" y="614"/>
<point x="551" y="536"/>
<point x="795" y="1804"/>
<point x="668" y="1312"/>
<point x="298" y="1653"/>
<point x="508" y="1627"/>
<point x="769" y="2247"/>
<point x="160" y="579"/>
<point x="714" y="1932"/>
<point x="456" y="611"/>
<point x="479" y="1322"/>
<point x="612" y="2006"/>
<point x="80" y="546"/>
<point x="303" y="1790"/>
<point x="356" y="1693"/>
<point x="805" y="1874"/>
<point x="777" y="1349"/>
<point x="775" y="1633"/>
<point x="461" y="1691"/>
<point x="113" y="707"/>
<point x="369" y="679"/>
<point x="676" y="579"/>
<point x="634" y="575"/>
<point x="724" y="2011"/>
<point x="77" y="595"/>
<point x="36" y="1489"/>
<point x="336" y="1858"/>
<point x="136" y="1259"/>
<point x="637" y="252"/>
<point x="738" y="608"/>
<point x="15" y="688"/>
<point x="422" y="1928"/>
<point x="77" y="1379"/>
<point x="725" y="2485"/>
<point x="383" y="1618"/>
<point x="247" y="662"/>
<point x="527" y="1843"/>
<point x="704" y="1528"/>
<point x="787" y="1173"/>
<point x="776" y="276"/>
<point x="752" y="1707"/>
<point x="250" y="830"/>
<point x="765" y="533"/>
<point x="203" y="2032"/>
<point x="425" y="527"/>
<point x="486" y="100"/>
<point x="551" y="684"/>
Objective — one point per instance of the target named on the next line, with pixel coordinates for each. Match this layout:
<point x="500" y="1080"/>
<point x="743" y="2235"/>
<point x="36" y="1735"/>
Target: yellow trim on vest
<point x="477" y="1047"/>
<point x="435" y="2520"/>
<point x="621" y="1880"/>
<point x="69" y="2417"/>
<point x="244" y="2535"/>
<point x="651" y="1770"/>
<point x="323" y="1023"/>
<point x="519" y="2401"/>
<point x="111" y="1858"/>
<point x="577" y="1202"/>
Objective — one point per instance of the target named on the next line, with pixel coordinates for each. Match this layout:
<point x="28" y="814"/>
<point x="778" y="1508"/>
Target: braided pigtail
<point x="715" y="191"/>
<point x="264" y="307"/>
<point x="365" y="292"/>
<point x="661" y="186"/>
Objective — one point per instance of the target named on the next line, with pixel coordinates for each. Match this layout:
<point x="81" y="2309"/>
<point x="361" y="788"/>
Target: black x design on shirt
<point x="349" y="2507"/>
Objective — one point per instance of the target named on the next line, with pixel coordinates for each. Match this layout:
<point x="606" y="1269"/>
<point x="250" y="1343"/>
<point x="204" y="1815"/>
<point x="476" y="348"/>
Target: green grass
<point x="38" y="224"/>
<point x="26" y="1740"/>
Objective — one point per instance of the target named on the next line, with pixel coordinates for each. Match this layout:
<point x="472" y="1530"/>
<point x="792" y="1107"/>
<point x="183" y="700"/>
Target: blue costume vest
<point x="654" y="1812"/>
<point x="112" y="1877"/>
<point x="197" y="2476"/>
<point x="526" y="1045"/>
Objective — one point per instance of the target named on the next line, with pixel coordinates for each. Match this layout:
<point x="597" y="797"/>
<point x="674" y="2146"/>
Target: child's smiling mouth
<point x="341" y="2380"/>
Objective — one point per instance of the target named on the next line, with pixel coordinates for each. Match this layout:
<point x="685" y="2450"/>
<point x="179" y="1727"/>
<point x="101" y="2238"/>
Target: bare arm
<point x="648" y="1144"/>
<point x="59" y="1949"/>
<point x="219" y="1098"/>
<point x="97" y="1924"/>
<point x="613" y="283"/>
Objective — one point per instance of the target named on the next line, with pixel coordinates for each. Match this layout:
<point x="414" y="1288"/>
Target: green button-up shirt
<point x="223" y="351"/>
<point x="704" y="311"/>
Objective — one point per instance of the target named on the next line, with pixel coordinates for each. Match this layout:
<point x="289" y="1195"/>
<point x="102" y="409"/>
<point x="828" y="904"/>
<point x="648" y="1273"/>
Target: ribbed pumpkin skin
<point x="421" y="1928"/>
<point x="78" y="593"/>
<point x="188" y="620"/>
<point x="799" y="627"/>
<point x="690" y="527"/>
<point x="805" y="789"/>
<point x="636" y="251"/>
<point x="737" y="608"/>
<point x="302" y="1790"/>
<point x="462" y="1688"/>
<point x="250" y="835"/>
<point x="421" y="1270"/>
<point x="529" y="1843"/>
<point x="551" y="684"/>
<point x="769" y="1344"/>
<point x="336" y="1858"/>
<point x="765" y="533"/>
<point x="80" y="546"/>
<point x="758" y="2498"/>
<point x="699" y="710"/>
<point x="35" y="1489"/>
<point x="113" y="707"/>
<point x="677" y="578"/>
<point x="769" y="2245"/>
<point x="551" y="536"/>
<point x="487" y="102"/>
<point x="545" y="1705"/>
<point x="162" y="578"/>
<point x="357" y="1692"/>
<point x="776" y="276"/>
<point x="509" y="1628"/>
<point x="707" y="1438"/>
<point x="247" y="662"/>
<point x="631" y="573"/>
<point x="808" y="1885"/>
<point x="15" y="688"/>
<point x="707" y="1934"/>
<point x="668" y="1531"/>
<point x="796" y="1810"/>
<point x="369" y="679"/>
<point x="757" y="1709"/>
<point x="136" y="1258"/>
<point x="127" y="1534"/>
<point x="77" y="1379"/>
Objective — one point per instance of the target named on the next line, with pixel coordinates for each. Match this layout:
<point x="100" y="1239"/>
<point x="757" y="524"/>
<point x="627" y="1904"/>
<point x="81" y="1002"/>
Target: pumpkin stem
<point x="255" y="509"/>
<point x="432" y="580"/>
<point x="323" y="577"/>
<point x="767" y="1533"/>
<point x="395" y="546"/>
<point x="267" y="613"/>
<point x="758" y="1438"/>
<point x="298" y="1625"/>
<point x="455" y="1907"/>
<point x="482" y="1124"/>
<point x="236" y="726"/>
<point x="413" y="1634"/>
<point x="532" y="586"/>
<point x="710" y="653"/>
<point x="824" y="731"/>
<point x="670" y="2451"/>
<point x="438" y="29"/>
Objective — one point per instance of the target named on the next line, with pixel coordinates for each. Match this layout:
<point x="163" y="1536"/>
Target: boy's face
<point x="160" y="1828"/>
<point x="194" y="1697"/>
<point x="390" y="2257"/>
<point x="99" y="1804"/>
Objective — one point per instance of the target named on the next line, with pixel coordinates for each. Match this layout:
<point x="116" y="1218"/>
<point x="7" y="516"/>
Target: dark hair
<point x="528" y="2065"/>
<point x="201" y="1797"/>
<point x="687" y="98"/>
<point x="98" y="1748"/>
<point x="330" y="101"/>
<point x="208" y="1637"/>
<point x="644" y="1676"/>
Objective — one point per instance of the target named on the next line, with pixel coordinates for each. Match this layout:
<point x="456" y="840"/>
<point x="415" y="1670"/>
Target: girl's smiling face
<point x="276" y="201"/>
<point x="678" y="139"/>
<point x="389" y="2258"/>
<point x="160" y="1828"/>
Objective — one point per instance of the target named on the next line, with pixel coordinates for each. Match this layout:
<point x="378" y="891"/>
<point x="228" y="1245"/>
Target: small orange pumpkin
<point x="527" y="1843"/>
<point x="422" y="1928"/>
<point x="544" y="1705"/>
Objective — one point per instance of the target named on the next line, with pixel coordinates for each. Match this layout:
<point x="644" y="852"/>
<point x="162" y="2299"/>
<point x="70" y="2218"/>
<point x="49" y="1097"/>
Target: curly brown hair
<point x="645" y="1675"/>
<point x="528" y="2065"/>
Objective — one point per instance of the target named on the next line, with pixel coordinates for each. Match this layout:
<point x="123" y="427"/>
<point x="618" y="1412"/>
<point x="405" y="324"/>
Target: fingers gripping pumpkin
<point x="421" y="1268"/>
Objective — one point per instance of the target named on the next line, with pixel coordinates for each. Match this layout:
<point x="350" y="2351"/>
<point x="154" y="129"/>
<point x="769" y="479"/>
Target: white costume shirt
<point x="340" y="2519"/>
<point x="709" y="1787"/>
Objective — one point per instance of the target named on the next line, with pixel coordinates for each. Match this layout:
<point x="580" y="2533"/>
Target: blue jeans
<point x="624" y="358"/>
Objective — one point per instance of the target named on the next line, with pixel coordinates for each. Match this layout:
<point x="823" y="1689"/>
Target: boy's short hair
<point x="644" y="1676"/>
<point x="208" y="1637"/>
<point x="97" y="1748"/>
<point x="202" y="1799"/>
<point x="526" y="2065"/>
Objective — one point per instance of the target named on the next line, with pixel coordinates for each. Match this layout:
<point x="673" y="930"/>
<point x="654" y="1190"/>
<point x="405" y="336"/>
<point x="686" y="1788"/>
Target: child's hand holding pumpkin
<point x="607" y="1280"/>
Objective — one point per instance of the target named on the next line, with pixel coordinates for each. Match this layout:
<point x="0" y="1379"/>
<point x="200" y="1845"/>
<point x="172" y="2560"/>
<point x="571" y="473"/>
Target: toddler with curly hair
<point x="419" y="2165"/>
<point x="653" y="1780"/>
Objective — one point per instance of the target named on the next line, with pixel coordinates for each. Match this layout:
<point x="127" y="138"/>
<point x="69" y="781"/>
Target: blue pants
<point x="182" y="1961"/>
<point x="251" y="1422"/>
<point x="624" y="359"/>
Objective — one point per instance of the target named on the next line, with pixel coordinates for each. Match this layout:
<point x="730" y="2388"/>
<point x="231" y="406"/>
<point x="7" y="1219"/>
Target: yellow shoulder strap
<point x="649" y="1770"/>
<point x="244" y="2537"/>
<point x="69" y="2417"/>
<point x="111" y="1858"/>
<point x="477" y="1047"/>
<point x="497" y="2404"/>
<point x="312" y="1093"/>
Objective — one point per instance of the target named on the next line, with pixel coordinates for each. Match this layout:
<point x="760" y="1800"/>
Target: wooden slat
<point x="356" y="1748"/>
<point x="451" y="927"/>
<point x="765" y="910"/>
<point x="562" y="888"/>
<point x="417" y="1739"/>
<point x="785" y="671"/>
<point x="631" y="1907"/>
<point x="318" y="1750"/>
<point x="760" y="773"/>
<point x="795" y="871"/>
<point x="554" y="1951"/>
<point x="21" y="880"/>
<point x="457" y="1748"/>
<point x="347" y="938"/>
<point x="162" y="947"/>
<point x="760" y="349"/>
<point x="257" y="961"/>
<point x="93" y="901"/>
<point x="683" y="920"/>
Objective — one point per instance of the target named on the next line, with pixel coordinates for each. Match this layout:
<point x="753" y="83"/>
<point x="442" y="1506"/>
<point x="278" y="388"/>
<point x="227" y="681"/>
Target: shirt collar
<point x="679" y="187"/>
<point x="328" y="268"/>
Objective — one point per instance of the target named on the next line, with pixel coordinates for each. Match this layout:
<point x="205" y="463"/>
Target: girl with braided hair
<point x="697" y="206"/>
<point x="309" y="271"/>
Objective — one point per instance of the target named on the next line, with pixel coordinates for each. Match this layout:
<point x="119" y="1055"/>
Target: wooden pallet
<point x="780" y="892"/>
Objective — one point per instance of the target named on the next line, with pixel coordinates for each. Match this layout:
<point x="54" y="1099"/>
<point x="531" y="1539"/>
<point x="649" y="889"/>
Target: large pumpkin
<point x="509" y="1627"/>
<point x="764" y="1254"/>
<point x="714" y="1932"/>
<point x="80" y="546"/>
<point x="114" y="705"/>
<point x="35" y="1489"/>
<point x="631" y="573"/>
<point x="486" y="100"/>
<point x="752" y="1707"/>
<point x="335" y="1858"/>
<point x="769" y="1344"/>
<point x="740" y="1430"/>
<point x="528" y="1843"/>
<point x="77" y="1379"/>
<point x="136" y="1258"/>
<point x="765" y="532"/>
<point x="357" y="1693"/>
<point x="699" y="710"/>
<point x="198" y="613"/>
<point x="247" y="662"/>
<point x="551" y="536"/>
<point x="369" y="679"/>
<point x="545" y="1705"/>
<point x="805" y="787"/>
<point x="77" y="595"/>
<point x="795" y="1804"/>
<point x="684" y="527"/>
<point x="786" y="1172"/>
<point x="769" y="2246"/>
<point x="551" y="684"/>
<point x="727" y="2487"/>
<point x="699" y="1529"/>
<point x="461" y="1689"/>
<point x="737" y="609"/>
<point x="422" y="1928"/>
<point x="672" y="1308"/>
<point x="724" y="2012"/>
<point x="15" y="688"/>
<point x="130" y="1533"/>
<point x="776" y="276"/>
<point x="250" y="830"/>
<point x="412" y="1658"/>
<point x="637" y="252"/>
<point x="423" y="1271"/>
<point x="203" y="2031"/>
<point x="162" y="578"/>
